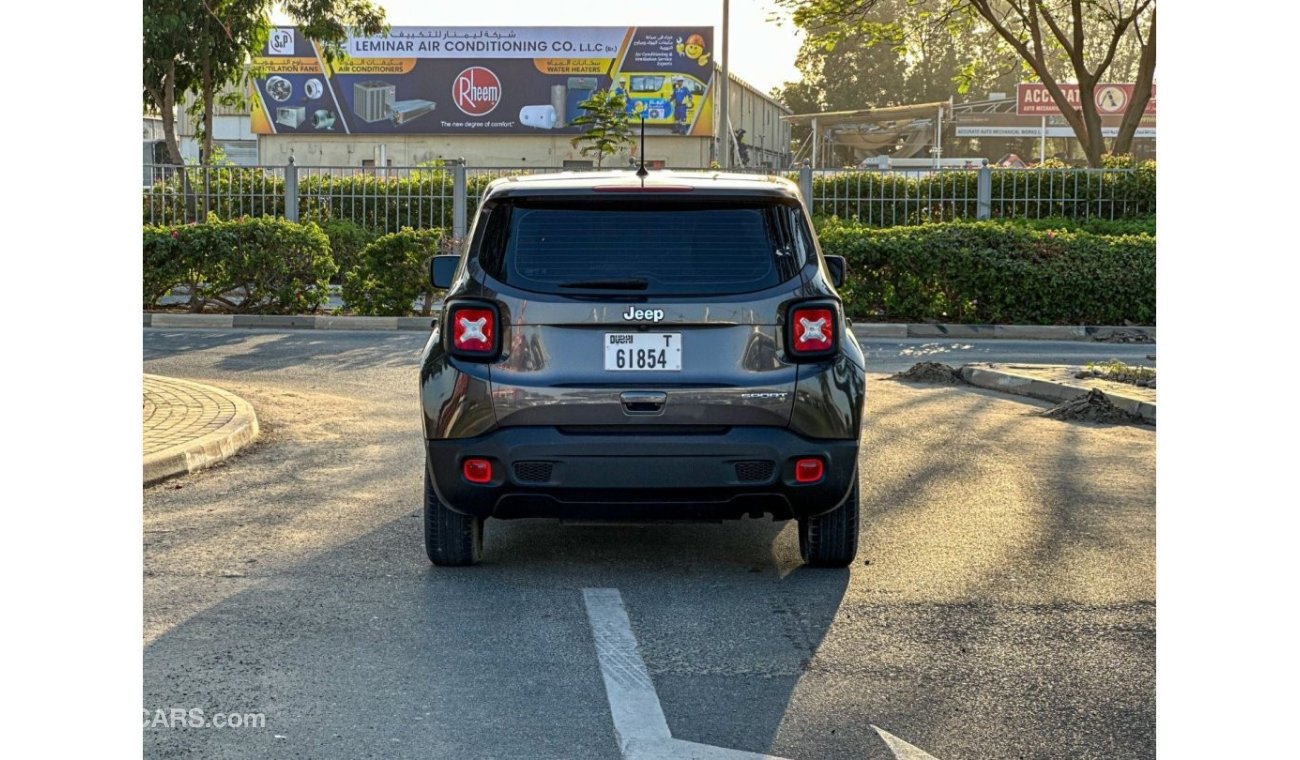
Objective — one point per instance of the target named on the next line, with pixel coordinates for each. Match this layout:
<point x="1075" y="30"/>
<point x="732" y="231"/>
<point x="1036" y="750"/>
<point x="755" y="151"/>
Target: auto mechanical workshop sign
<point x="484" y="80"/>
<point x="1033" y="99"/>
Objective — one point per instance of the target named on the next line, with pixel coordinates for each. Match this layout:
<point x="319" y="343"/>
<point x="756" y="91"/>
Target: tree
<point x="608" y="130"/>
<point x="1055" y="40"/>
<point x="168" y="62"/>
<point x="893" y="59"/>
<point x="227" y="34"/>
<point x="206" y="45"/>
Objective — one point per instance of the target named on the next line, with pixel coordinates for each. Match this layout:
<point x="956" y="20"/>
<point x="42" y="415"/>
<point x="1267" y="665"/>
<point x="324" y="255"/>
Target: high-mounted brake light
<point x="643" y="189"/>
<point x="812" y="331"/>
<point x="474" y="331"/>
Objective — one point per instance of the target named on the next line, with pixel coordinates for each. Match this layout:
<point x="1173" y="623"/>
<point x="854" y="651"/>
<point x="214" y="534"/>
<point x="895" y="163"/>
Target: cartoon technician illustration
<point x="629" y="105"/>
<point x="682" y="102"/>
<point x="693" y="48"/>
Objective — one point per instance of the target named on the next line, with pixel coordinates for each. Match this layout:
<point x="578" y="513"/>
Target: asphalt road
<point x="1002" y="605"/>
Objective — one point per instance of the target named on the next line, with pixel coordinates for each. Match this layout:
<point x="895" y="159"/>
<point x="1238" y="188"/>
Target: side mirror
<point x="838" y="268"/>
<point x="441" y="270"/>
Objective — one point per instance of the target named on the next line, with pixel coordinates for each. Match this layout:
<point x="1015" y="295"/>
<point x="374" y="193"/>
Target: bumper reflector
<point x="809" y="470"/>
<point x="477" y="470"/>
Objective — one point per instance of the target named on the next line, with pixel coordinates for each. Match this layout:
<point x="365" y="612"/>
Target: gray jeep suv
<point x="615" y="347"/>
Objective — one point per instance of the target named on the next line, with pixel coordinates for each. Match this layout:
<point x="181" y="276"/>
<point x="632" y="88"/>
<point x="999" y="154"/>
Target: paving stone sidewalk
<point x="188" y="426"/>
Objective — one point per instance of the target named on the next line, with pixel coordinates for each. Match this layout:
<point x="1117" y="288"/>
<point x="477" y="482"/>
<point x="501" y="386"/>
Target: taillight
<point x="474" y="331"/>
<point x="813" y="330"/>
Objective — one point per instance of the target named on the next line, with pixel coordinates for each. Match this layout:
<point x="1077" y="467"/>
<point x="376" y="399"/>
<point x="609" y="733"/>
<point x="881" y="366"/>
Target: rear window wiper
<point x="627" y="284"/>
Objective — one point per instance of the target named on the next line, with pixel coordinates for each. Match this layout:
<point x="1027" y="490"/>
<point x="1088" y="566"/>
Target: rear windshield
<point x="586" y="245"/>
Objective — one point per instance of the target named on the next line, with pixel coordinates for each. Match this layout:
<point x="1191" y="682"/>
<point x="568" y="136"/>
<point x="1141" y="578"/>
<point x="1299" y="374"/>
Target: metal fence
<point x="385" y="199"/>
<point x="890" y="198"/>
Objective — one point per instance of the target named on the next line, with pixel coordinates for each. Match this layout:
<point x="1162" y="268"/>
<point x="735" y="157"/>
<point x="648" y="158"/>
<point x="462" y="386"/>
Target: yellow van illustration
<point x="665" y="98"/>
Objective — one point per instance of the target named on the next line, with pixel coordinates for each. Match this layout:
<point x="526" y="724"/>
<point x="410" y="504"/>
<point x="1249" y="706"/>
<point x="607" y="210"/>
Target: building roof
<point x="869" y="115"/>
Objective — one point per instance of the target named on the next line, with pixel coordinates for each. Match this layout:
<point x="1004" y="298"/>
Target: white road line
<point x="639" y="721"/>
<point x="638" y="716"/>
<point x="901" y="749"/>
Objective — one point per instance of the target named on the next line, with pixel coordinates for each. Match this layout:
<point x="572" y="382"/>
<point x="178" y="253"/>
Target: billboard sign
<point x="484" y="80"/>
<point x="1033" y="99"/>
<point x="1010" y="131"/>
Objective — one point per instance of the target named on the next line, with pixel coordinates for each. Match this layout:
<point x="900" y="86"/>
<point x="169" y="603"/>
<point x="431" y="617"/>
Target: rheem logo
<point x="476" y="91"/>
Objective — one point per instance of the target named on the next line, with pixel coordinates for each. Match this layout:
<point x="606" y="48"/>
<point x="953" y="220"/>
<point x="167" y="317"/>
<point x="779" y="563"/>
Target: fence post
<point x="207" y="191"/>
<point x="984" y="192"/>
<point x="458" y="198"/>
<point x="805" y="185"/>
<point x="291" y="191"/>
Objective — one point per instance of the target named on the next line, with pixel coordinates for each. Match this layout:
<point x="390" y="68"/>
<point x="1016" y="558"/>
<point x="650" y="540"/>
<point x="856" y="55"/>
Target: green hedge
<point x="995" y="273"/>
<point x="392" y="274"/>
<point x="261" y="266"/>
<point x="376" y="202"/>
<point x="1138" y="225"/>
<point x="423" y="197"/>
<point x="347" y="241"/>
<point x="974" y="272"/>
<point x="895" y="199"/>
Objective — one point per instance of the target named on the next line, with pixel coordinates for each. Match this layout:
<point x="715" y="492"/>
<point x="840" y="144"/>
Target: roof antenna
<point x="641" y="172"/>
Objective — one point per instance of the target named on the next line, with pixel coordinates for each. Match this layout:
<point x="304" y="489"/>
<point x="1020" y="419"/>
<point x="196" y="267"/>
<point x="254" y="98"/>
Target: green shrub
<point x="230" y="192"/>
<point x="347" y="241"/>
<point x="392" y="274"/>
<point x="993" y="272"/>
<point x="262" y="266"/>
<point x="1138" y="225"/>
<point x="893" y="199"/>
<point x="279" y="267"/>
<point x="164" y="263"/>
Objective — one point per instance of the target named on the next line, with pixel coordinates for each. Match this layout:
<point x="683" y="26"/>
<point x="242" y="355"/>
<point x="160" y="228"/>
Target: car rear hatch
<point x="642" y="313"/>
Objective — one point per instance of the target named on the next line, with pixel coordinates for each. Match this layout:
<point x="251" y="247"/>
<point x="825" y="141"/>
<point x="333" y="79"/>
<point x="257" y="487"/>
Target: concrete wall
<point x="477" y="150"/>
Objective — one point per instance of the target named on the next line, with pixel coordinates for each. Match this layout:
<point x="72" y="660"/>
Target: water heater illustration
<point x="541" y="117"/>
<point x="559" y="93"/>
<point x="579" y="90"/>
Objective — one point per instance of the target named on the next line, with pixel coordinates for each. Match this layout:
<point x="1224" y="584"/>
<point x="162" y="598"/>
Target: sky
<point x="763" y="51"/>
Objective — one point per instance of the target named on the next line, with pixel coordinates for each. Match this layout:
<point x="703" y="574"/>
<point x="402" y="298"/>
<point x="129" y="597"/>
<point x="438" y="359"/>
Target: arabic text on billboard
<point x="485" y="80"/>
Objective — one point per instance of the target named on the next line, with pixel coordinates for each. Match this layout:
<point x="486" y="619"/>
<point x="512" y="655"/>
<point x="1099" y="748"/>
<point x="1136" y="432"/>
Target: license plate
<point x="643" y="351"/>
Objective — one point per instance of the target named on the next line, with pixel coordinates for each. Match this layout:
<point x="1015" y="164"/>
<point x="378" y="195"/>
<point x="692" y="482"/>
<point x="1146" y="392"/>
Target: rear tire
<point x="450" y="538"/>
<point x="831" y="540"/>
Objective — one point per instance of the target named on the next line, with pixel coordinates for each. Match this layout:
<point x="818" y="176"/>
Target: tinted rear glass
<point x="650" y="247"/>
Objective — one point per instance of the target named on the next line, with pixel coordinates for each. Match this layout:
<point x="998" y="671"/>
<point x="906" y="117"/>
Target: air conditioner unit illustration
<point x="373" y="101"/>
<point x="409" y="110"/>
<point x="290" y="116"/>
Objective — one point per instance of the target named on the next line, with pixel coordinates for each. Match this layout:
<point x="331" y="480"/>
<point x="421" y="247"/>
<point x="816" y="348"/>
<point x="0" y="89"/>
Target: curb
<point x="208" y="449"/>
<point x="1007" y="381"/>
<point x="1097" y="333"/>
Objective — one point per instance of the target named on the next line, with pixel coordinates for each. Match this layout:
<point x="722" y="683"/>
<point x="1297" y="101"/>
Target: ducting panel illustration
<point x="408" y="110"/>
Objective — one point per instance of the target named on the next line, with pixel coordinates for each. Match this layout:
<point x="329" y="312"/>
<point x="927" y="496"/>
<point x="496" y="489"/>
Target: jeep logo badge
<point x="654" y="315"/>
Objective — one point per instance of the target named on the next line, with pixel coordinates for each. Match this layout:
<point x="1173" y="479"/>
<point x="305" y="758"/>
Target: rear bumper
<point x="543" y="472"/>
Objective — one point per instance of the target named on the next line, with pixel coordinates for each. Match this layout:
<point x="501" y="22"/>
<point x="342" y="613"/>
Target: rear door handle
<point x="643" y="402"/>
